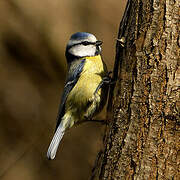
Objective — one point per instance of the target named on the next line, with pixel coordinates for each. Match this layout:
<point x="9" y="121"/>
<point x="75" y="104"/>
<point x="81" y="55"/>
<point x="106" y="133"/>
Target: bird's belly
<point x="83" y="93"/>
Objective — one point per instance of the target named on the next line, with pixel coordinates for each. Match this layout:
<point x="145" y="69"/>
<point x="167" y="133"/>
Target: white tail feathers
<point x="51" y="153"/>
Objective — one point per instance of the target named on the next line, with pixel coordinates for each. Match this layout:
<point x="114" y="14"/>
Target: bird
<point x="85" y="91"/>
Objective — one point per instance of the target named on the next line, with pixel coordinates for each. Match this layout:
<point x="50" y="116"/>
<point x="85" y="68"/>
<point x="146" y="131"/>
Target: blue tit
<point x="85" y="92"/>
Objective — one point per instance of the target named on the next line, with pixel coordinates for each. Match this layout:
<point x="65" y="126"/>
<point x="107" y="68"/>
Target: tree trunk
<point x="142" y="135"/>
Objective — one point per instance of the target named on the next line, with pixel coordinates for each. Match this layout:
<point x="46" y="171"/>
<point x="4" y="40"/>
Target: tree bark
<point x="142" y="135"/>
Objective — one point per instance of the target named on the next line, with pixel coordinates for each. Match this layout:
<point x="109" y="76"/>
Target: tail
<point x="51" y="153"/>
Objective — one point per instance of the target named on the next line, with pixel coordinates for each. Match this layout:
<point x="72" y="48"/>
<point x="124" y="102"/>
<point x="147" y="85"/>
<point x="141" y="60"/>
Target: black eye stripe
<point x="85" y="43"/>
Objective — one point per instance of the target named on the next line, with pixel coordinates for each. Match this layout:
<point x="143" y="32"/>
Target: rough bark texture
<point x="142" y="136"/>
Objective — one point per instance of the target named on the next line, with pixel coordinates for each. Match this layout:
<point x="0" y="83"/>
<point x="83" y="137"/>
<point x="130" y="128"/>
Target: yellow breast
<point x="94" y="65"/>
<point x="93" y="72"/>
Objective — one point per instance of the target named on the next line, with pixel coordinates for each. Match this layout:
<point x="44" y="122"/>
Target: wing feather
<point x="72" y="78"/>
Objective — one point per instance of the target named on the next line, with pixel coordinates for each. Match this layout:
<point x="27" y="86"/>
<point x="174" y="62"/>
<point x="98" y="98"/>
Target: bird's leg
<point x="92" y="102"/>
<point x="96" y="120"/>
<point x="106" y="80"/>
<point x="91" y="120"/>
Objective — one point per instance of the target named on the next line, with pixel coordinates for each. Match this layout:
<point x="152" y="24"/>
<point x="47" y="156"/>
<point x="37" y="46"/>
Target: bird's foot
<point x="96" y="120"/>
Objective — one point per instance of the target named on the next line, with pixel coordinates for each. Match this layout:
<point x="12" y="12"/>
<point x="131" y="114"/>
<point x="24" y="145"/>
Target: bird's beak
<point x="98" y="43"/>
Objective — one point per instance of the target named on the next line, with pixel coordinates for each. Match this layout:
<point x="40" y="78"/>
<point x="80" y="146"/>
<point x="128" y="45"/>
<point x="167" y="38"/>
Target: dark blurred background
<point x="33" y="36"/>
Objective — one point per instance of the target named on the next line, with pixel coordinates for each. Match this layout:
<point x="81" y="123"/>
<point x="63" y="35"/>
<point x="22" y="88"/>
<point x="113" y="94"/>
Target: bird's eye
<point x="85" y="43"/>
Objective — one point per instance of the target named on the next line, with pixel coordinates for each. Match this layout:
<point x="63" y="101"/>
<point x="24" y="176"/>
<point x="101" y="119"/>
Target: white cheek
<point x="82" y="51"/>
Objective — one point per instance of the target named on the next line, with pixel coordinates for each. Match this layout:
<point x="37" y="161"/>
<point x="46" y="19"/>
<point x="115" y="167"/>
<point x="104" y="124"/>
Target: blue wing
<point x="72" y="78"/>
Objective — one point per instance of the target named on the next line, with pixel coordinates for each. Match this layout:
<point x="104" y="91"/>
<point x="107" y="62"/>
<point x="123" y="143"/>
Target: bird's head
<point x="82" y="44"/>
